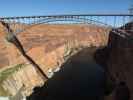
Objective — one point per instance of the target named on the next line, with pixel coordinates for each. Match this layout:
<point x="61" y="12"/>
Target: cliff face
<point x="120" y="58"/>
<point x="117" y="58"/>
<point x="49" y="46"/>
<point x="3" y="49"/>
<point x="47" y="38"/>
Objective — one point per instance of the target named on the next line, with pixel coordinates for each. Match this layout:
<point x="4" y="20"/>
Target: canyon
<point x="50" y="46"/>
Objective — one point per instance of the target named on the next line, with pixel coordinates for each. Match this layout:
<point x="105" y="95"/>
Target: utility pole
<point x="131" y="12"/>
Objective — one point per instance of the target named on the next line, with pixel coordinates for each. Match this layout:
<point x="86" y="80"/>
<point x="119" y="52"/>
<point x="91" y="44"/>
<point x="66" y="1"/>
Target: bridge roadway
<point x="21" y="17"/>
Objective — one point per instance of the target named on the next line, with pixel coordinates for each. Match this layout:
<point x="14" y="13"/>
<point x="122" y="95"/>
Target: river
<point x="79" y="78"/>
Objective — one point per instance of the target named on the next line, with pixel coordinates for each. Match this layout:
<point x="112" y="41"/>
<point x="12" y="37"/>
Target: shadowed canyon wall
<point x="117" y="57"/>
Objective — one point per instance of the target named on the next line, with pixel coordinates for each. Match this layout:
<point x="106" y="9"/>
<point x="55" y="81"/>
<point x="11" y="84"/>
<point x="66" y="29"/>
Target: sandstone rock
<point x="49" y="46"/>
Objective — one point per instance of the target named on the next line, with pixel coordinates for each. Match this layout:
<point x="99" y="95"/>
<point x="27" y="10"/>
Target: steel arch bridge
<point x="20" y="24"/>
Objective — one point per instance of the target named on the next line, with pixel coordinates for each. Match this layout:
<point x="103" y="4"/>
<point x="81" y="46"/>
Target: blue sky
<point x="51" y="7"/>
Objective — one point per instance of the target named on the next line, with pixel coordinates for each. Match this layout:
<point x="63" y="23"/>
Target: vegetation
<point x="5" y="74"/>
<point x="8" y="72"/>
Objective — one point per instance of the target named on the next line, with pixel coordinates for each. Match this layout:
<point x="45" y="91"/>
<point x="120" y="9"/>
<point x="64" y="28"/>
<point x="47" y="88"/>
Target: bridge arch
<point x="69" y="19"/>
<point x="25" y="22"/>
<point x="64" y="20"/>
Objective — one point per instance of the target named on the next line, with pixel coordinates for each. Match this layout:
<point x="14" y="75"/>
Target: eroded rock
<point x="49" y="46"/>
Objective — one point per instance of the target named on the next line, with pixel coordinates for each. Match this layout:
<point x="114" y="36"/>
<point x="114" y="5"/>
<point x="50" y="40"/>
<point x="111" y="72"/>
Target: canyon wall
<point x="117" y="58"/>
<point x="49" y="46"/>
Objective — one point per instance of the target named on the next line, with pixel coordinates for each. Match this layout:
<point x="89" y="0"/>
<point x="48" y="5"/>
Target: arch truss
<point x="19" y="24"/>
